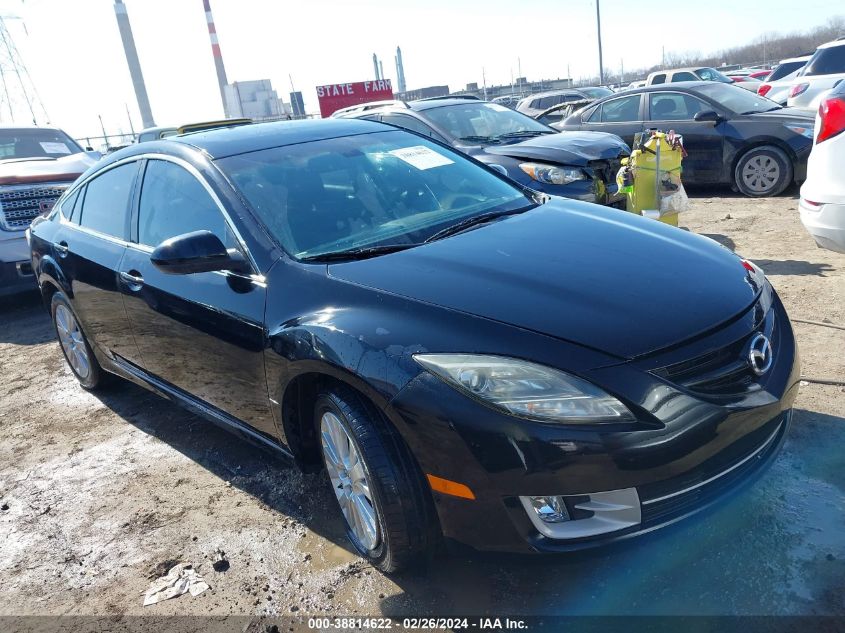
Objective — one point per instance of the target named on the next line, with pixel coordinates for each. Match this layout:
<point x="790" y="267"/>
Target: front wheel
<point x="763" y="171"/>
<point x="380" y="490"/>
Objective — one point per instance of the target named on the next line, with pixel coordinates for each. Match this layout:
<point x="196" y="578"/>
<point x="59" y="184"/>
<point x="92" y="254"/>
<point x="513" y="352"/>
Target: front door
<point x="703" y="140"/>
<point x="204" y="332"/>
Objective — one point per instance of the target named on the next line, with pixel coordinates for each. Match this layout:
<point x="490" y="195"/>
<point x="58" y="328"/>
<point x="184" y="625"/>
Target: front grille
<point x="666" y="500"/>
<point x="20" y="205"/>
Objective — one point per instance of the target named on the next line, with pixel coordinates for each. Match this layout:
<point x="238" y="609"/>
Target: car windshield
<point x="480" y="121"/>
<point x="596" y="93"/>
<point x="784" y="69"/>
<point x="35" y="143"/>
<point x="364" y="191"/>
<point x="711" y="74"/>
<point x="736" y="99"/>
<point x="826" y="61"/>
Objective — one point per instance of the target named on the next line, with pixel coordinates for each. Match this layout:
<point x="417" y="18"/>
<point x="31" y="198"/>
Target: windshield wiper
<point x="477" y="139"/>
<point x="357" y="253"/>
<point x="475" y="220"/>
<point x="522" y="133"/>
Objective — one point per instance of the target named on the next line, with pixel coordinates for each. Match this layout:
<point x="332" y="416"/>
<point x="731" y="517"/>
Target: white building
<point x="254" y="100"/>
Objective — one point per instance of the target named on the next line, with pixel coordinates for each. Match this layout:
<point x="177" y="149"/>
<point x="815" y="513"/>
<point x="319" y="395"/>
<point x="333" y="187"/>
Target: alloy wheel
<point x="72" y="342"/>
<point x="761" y="173"/>
<point x="349" y="481"/>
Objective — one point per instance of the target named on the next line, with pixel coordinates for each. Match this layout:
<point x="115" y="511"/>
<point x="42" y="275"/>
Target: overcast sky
<point x="74" y="54"/>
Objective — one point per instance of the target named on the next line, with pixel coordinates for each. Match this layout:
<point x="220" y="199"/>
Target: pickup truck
<point x="36" y="165"/>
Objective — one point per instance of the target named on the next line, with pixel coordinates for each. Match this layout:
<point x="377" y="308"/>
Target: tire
<point x="763" y="171"/>
<point x="404" y="529"/>
<point x="75" y="347"/>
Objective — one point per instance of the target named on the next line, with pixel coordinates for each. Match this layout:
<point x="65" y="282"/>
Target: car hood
<point x="16" y="171"/>
<point x="602" y="278"/>
<point x="568" y="148"/>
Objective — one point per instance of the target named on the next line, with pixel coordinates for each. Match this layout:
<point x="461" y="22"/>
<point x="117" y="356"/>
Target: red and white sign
<point x="336" y="96"/>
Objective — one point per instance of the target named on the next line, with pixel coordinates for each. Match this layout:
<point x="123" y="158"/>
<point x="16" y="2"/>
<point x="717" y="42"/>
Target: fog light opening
<point x="550" y="509"/>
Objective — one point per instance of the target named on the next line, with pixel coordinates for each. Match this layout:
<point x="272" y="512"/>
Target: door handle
<point x="133" y="279"/>
<point x="61" y="248"/>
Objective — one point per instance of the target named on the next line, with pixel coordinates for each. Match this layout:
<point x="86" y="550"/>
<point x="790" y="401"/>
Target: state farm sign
<point x="336" y="96"/>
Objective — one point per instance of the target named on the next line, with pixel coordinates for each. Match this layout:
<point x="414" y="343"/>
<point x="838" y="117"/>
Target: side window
<point x="684" y="76"/>
<point x="659" y="79"/>
<point x="594" y="116"/>
<point x="621" y="110"/>
<point x="674" y="106"/>
<point x="410" y="123"/>
<point x="174" y="202"/>
<point x="68" y="203"/>
<point x="106" y="203"/>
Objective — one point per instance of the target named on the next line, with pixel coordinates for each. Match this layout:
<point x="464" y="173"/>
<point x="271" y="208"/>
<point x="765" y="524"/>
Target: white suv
<point x="825" y="69"/>
<point x="822" y="205"/>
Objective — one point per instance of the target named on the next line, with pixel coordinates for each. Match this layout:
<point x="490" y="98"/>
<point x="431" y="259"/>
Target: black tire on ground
<point x="408" y="531"/>
<point x="763" y="171"/>
<point x="96" y="377"/>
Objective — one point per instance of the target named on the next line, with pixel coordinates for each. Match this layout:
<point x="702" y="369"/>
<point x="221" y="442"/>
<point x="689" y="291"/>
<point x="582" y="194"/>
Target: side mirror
<point x="707" y="115"/>
<point x="197" y="252"/>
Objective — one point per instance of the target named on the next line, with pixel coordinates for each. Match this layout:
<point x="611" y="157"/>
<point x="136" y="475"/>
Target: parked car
<point x="698" y="73"/>
<point x="732" y="136"/>
<point x="822" y="205"/>
<point x="509" y="101"/>
<point x="778" y="84"/>
<point x="468" y="359"/>
<point x="574" y="165"/>
<point x="824" y="70"/>
<point x="558" y="113"/>
<point x="36" y="166"/>
<point x="535" y="104"/>
<point x="752" y="73"/>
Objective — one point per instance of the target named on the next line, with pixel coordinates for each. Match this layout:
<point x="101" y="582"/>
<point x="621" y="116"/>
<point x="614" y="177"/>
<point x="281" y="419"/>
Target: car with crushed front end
<point x="468" y="359"/>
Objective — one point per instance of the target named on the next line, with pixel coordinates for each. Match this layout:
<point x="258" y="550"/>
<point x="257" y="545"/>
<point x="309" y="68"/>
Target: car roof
<point x="839" y="42"/>
<point x="229" y="141"/>
<point x="429" y="104"/>
<point x="800" y="58"/>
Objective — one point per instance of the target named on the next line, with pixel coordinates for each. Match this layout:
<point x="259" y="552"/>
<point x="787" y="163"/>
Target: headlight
<point x="552" y="174"/>
<point x="525" y="389"/>
<point x="806" y="132"/>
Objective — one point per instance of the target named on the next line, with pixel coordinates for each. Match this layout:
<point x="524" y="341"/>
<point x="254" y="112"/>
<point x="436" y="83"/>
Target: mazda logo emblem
<point x="760" y="355"/>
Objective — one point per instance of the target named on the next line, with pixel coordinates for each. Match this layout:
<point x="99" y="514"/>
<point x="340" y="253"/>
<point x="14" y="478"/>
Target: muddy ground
<point x="101" y="494"/>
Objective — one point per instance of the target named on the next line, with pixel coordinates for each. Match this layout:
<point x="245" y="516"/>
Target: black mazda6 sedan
<point x="466" y="358"/>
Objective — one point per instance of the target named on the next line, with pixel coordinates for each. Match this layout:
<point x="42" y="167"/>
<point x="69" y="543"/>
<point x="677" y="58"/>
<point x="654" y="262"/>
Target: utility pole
<point x="662" y="58"/>
<point x="622" y="72"/>
<point x="519" y="73"/>
<point x="103" y="128"/>
<point x="484" y="82"/>
<point x="598" y="29"/>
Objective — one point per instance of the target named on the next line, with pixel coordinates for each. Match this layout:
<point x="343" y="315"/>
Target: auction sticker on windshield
<point x="55" y="148"/>
<point x="421" y="157"/>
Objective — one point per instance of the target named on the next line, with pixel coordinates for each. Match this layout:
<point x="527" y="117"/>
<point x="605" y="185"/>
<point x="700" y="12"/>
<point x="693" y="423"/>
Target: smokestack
<point x="400" y="70"/>
<point x="218" y="58"/>
<point x="134" y="65"/>
<point x="375" y="66"/>
<point x="380" y="70"/>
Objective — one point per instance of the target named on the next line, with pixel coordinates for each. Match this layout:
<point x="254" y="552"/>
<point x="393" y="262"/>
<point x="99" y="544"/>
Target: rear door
<point x="90" y="246"/>
<point x="621" y="116"/>
<point x="703" y="140"/>
<point x="203" y="333"/>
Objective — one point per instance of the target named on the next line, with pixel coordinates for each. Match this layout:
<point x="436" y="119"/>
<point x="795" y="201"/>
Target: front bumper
<point x="686" y="451"/>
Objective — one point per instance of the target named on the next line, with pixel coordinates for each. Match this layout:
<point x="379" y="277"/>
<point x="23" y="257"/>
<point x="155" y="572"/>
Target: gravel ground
<point x="101" y="494"/>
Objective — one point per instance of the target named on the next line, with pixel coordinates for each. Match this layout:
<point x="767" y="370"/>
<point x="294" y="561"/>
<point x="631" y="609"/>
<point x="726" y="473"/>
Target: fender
<point x="50" y="272"/>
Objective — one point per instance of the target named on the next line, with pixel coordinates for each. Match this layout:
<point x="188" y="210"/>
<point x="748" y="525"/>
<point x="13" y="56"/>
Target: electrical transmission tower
<point x="19" y="99"/>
